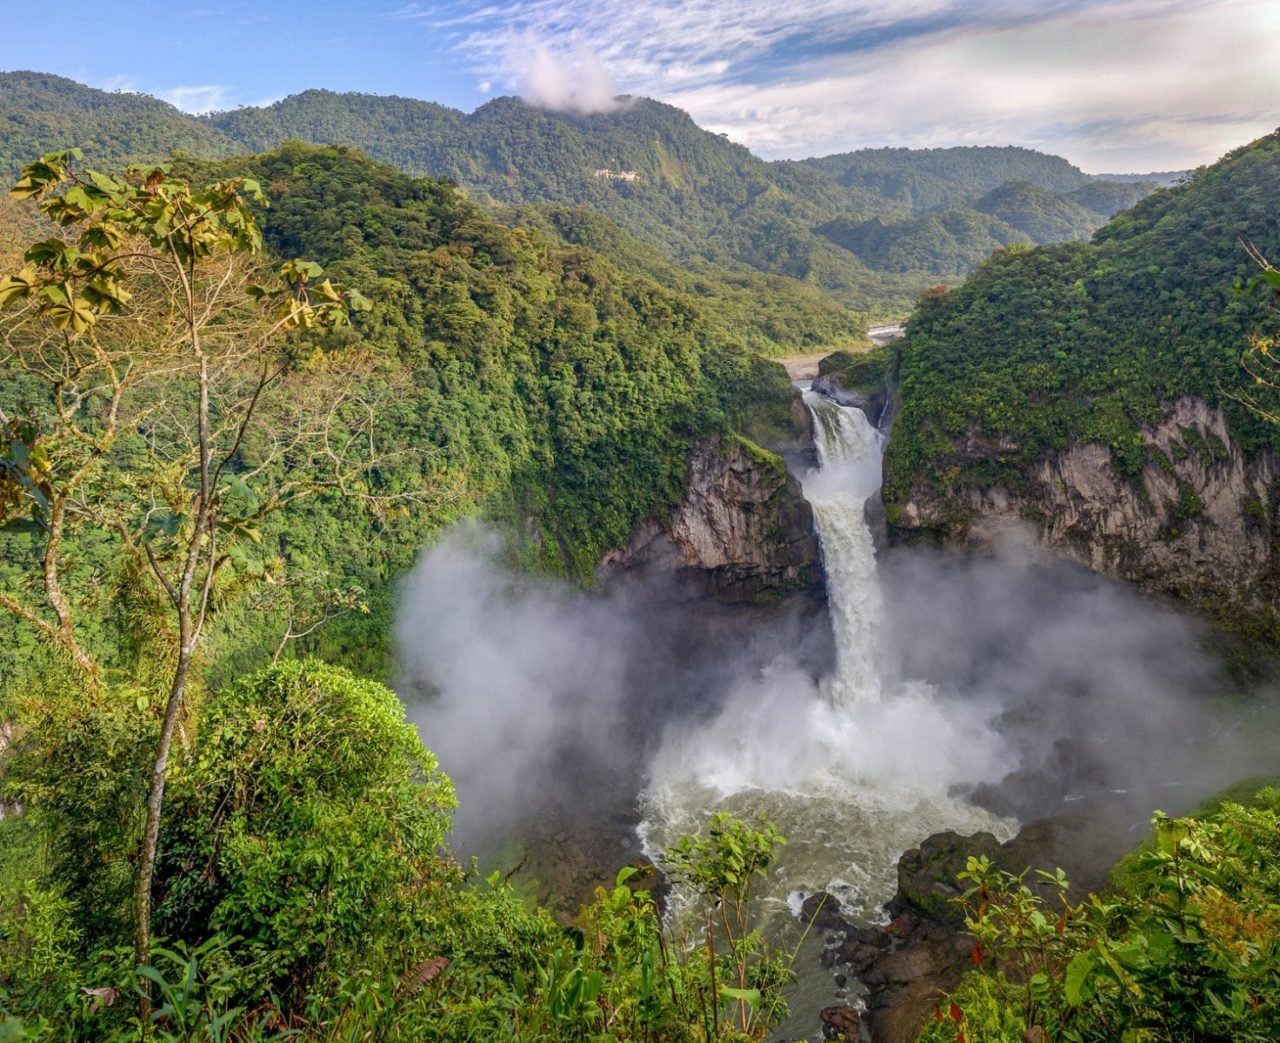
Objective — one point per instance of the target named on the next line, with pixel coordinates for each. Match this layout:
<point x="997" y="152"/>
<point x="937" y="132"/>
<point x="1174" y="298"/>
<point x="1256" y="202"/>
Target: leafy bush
<point x="305" y="822"/>
<point x="1190" y="950"/>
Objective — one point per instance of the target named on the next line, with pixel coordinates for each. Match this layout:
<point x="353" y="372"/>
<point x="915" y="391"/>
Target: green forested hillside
<point x="650" y="169"/>
<point x="870" y="228"/>
<point x="944" y="243"/>
<point x="526" y="379"/>
<point x="926" y="179"/>
<point x="1042" y="216"/>
<point x="1047" y="347"/>
<point x="948" y="219"/>
<point x="647" y="168"/>
<point x="40" y="113"/>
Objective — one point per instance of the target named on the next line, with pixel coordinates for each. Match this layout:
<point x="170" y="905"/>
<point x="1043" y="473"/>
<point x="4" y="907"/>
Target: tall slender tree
<point x="143" y="326"/>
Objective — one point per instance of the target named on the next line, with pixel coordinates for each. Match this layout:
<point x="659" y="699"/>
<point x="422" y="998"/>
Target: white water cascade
<point x="852" y="769"/>
<point x="848" y="474"/>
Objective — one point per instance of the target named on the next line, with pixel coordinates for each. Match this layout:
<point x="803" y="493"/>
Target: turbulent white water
<point x="849" y="472"/>
<point x="852" y="769"/>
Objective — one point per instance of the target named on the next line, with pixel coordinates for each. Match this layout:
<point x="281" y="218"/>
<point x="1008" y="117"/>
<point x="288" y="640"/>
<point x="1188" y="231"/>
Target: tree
<point x="137" y="334"/>
<point x="315" y="814"/>
<point x="720" y="868"/>
<point x="1260" y="360"/>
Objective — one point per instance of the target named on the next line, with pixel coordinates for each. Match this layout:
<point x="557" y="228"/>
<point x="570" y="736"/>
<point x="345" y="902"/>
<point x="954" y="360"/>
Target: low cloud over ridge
<point x="1112" y="84"/>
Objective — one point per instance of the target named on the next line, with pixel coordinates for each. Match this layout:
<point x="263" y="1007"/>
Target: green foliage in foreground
<point x="305" y="893"/>
<point x="1046" y="348"/>
<point x="1187" y="950"/>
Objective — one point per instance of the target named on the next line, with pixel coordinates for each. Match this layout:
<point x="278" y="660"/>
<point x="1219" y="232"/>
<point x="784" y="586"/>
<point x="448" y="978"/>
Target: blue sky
<point x="1114" y="85"/>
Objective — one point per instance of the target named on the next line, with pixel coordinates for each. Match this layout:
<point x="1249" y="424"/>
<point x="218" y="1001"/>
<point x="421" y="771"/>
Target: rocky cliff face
<point x="744" y="532"/>
<point x="1200" y="522"/>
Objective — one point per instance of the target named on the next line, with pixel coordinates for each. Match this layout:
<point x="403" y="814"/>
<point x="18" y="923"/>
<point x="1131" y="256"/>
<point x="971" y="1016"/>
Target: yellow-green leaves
<point x="46" y="173"/>
<point x="67" y="311"/>
<point x="76" y="280"/>
<point x="14" y="288"/>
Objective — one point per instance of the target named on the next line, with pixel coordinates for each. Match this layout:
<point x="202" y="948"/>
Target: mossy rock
<point x="927" y="874"/>
<point x="865" y="371"/>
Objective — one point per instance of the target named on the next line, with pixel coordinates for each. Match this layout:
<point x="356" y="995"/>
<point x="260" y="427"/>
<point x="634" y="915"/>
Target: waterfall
<point x="849" y="473"/>
<point x="854" y="768"/>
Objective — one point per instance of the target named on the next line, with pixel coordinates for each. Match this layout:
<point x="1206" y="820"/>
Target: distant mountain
<point x="1041" y="215"/>
<point x="942" y="243"/>
<point x="934" y="178"/>
<point x="871" y="228"/>
<point x="650" y="169"/>
<point x="647" y="167"/>
<point x="1163" y="178"/>
<point x="42" y="113"/>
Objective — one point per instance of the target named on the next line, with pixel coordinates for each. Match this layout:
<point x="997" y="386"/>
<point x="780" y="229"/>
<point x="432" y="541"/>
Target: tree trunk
<point x="151" y="833"/>
<point x="188" y="632"/>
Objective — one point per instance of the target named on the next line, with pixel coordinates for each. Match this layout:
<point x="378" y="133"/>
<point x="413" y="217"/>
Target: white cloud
<point x="1112" y="84"/>
<point x="197" y="100"/>
<point x="570" y="82"/>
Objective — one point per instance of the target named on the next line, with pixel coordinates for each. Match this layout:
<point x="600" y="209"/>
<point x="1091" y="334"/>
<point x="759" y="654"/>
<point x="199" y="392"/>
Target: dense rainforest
<point x="1078" y="344"/>
<point x="242" y="393"/>
<point x="289" y="464"/>
<point x="872" y="228"/>
<point x="520" y="377"/>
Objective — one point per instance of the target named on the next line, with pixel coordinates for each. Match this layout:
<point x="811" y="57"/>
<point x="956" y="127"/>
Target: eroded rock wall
<point x="743" y="533"/>
<point x="1199" y="523"/>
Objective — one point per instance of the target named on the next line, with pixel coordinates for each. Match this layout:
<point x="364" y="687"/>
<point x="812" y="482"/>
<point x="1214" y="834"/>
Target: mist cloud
<point x="567" y="82"/>
<point x="1012" y="670"/>
<point x="540" y="697"/>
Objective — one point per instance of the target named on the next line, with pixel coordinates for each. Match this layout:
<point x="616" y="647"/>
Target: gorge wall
<point x="1199" y="523"/>
<point x="743" y="533"/>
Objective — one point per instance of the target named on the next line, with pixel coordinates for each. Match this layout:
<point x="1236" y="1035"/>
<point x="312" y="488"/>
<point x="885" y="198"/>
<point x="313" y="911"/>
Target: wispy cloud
<point x="118" y="82"/>
<point x="1111" y="83"/>
<point x="197" y="100"/>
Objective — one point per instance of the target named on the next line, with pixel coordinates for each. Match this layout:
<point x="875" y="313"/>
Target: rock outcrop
<point x="920" y="955"/>
<point x="743" y="533"/>
<point x="871" y="402"/>
<point x="1199" y="523"/>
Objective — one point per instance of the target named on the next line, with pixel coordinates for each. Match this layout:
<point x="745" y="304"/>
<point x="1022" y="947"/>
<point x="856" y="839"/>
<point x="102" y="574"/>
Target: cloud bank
<point x="1113" y="84"/>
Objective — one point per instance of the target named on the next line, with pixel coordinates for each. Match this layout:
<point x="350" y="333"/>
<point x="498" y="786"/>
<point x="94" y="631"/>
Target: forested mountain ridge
<point x="40" y="112"/>
<point x="871" y="228"/>
<point x="1095" y="389"/>
<point x="522" y="379"/>
<point x="647" y="167"/>
<point x="926" y="179"/>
